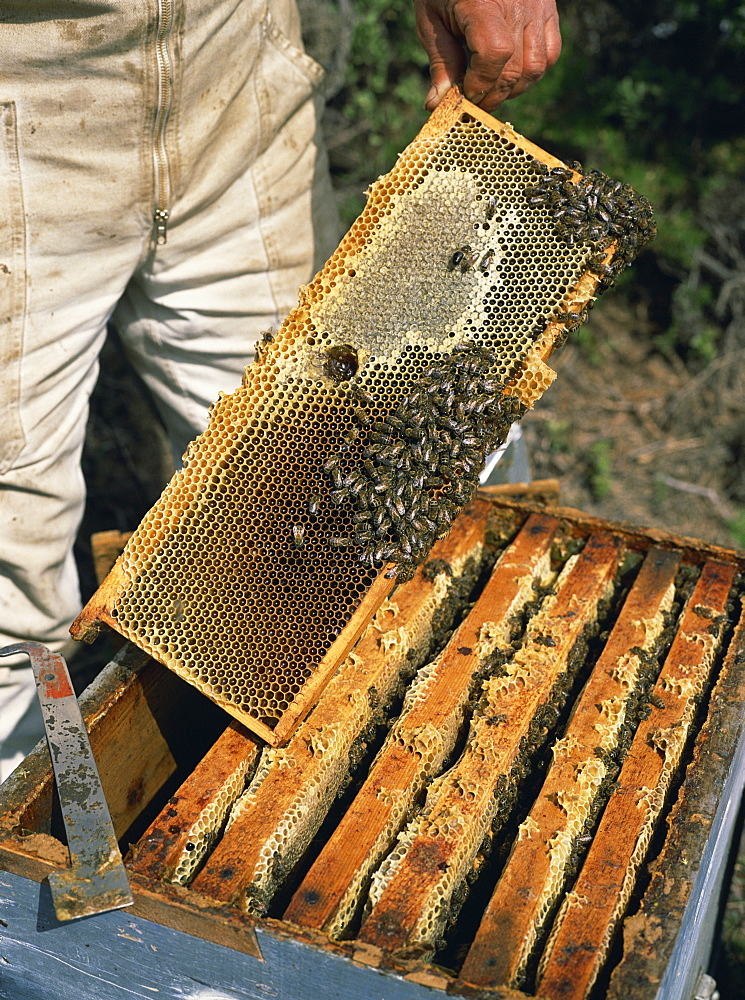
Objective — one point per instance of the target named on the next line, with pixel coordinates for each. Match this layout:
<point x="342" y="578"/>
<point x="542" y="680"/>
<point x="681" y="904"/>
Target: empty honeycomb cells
<point x="360" y="431"/>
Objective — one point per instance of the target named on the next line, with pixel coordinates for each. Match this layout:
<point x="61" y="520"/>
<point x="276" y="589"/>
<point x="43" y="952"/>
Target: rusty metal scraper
<point x="96" y="881"/>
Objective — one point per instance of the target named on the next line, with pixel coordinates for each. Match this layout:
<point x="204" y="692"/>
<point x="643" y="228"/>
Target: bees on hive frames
<point x="420" y="461"/>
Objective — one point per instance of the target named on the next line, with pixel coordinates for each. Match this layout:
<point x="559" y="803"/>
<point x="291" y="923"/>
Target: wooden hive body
<point x="506" y="790"/>
<point x="360" y="431"/>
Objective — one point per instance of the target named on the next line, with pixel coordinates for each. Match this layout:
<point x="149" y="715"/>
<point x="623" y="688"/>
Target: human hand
<point x="511" y="44"/>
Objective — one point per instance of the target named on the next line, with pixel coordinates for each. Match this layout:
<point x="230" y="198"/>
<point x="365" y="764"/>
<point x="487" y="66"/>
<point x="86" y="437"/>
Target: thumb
<point x="447" y="60"/>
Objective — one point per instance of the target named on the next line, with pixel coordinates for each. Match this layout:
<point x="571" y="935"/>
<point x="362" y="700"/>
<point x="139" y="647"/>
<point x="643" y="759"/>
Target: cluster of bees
<point x="599" y="211"/>
<point x="421" y="461"/>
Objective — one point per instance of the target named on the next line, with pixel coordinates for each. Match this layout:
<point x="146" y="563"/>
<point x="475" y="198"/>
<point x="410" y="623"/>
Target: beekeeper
<point x="161" y="166"/>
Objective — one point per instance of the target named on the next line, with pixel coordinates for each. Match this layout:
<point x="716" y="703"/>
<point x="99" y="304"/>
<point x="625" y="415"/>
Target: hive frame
<point x="294" y="354"/>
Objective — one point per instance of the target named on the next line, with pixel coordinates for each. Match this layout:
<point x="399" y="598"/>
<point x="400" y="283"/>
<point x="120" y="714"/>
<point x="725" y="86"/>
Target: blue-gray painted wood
<point x="118" y="956"/>
<point x="693" y="946"/>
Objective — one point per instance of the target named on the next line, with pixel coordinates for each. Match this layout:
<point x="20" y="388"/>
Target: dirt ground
<point x="627" y="431"/>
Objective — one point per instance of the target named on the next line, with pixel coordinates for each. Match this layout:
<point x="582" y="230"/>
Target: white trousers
<point x="115" y="119"/>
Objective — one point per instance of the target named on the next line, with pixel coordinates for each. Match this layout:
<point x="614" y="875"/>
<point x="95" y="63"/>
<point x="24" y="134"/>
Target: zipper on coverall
<point x="160" y="154"/>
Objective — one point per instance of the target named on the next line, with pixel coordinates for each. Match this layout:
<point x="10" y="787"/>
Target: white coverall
<point x="159" y="163"/>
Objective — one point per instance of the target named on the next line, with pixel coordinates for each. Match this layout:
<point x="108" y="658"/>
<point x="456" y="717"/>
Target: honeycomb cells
<point x="320" y="472"/>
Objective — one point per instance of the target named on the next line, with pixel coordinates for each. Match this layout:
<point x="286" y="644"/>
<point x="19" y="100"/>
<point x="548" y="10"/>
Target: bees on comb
<point x="421" y="461"/>
<point x="597" y="211"/>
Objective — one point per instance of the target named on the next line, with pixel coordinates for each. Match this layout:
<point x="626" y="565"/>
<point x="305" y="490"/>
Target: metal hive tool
<point x="360" y="430"/>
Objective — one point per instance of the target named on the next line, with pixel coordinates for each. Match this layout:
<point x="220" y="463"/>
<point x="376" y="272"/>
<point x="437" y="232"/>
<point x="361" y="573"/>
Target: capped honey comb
<point x="360" y="430"/>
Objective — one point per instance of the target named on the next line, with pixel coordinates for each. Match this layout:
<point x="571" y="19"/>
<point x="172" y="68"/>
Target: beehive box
<point x="513" y="787"/>
<point x="360" y="431"/>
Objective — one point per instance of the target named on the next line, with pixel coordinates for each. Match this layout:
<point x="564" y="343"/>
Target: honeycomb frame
<point x="359" y="432"/>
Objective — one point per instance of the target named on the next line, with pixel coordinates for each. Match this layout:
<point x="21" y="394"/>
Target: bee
<point x="384" y="551"/>
<point x="405" y="572"/>
<point x="367" y="556"/>
<point x="426" y="453"/>
<point x="402" y="489"/>
<point x="606" y="273"/>
<point x="470" y="261"/>
<point x="429" y="525"/>
<point x="422" y="531"/>
<point x="298" y="536"/>
<point x="486" y="261"/>
<point x="395" y="504"/>
<point x="494" y="385"/>
<point x="363" y="498"/>
<point x="457" y="259"/>
<point x="597" y="260"/>
<point x="313" y="504"/>
<point x="462" y="493"/>
<point x="448" y="423"/>
<point x="562" y="173"/>
<point x="337" y="542"/>
<point x="415" y="433"/>
<point x="395" y="422"/>
<point x="561" y="338"/>
<point x="380" y="519"/>
<point x="491" y="207"/>
<point x="339" y="497"/>
<point x="266" y="338"/>
<point x="364" y="397"/>
<point x="573" y="214"/>
<point x="448" y="399"/>
<point x="351" y="436"/>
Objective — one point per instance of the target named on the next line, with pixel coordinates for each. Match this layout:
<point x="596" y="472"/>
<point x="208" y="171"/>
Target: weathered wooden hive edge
<point x="33" y="855"/>
<point x="674" y="926"/>
<point x="635" y="537"/>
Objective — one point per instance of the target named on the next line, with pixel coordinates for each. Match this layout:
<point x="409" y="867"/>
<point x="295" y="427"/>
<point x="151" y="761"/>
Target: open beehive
<point x="505" y="790"/>
<point x="360" y="431"/>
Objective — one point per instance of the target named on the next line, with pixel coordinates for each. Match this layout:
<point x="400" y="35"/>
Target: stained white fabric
<point x="110" y="112"/>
